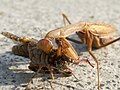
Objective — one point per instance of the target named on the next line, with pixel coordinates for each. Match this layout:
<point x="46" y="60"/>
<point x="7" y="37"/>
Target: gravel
<point x="34" y="18"/>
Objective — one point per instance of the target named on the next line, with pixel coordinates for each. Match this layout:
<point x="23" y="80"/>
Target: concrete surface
<point x="34" y="18"/>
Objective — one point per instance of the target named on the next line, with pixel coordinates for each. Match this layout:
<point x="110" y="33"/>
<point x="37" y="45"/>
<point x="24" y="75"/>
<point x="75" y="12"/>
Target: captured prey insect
<point x="41" y="54"/>
<point x="96" y="35"/>
<point x="44" y="57"/>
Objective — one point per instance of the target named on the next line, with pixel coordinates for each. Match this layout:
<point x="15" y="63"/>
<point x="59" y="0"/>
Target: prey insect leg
<point x="51" y="73"/>
<point x="27" y="87"/>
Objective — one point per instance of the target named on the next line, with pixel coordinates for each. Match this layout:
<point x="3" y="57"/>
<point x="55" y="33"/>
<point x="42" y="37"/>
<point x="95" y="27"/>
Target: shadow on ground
<point x="13" y="74"/>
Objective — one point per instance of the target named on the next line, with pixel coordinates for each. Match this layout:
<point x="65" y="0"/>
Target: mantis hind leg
<point x="21" y="50"/>
<point x="89" y="42"/>
<point x="108" y="43"/>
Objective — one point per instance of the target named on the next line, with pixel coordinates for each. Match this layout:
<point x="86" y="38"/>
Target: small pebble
<point x="112" y="64"/>
<point x="91" y="17"/>
<point x="107" y="88"/>
<point x="108" y="82"/>
<point x="88" y="83"/>
<point x="6" y="83"/>
<point x="116" y="76"/>
<point x="80" y="85"/>
<point x="119" y="88"/>
<point x="102" y="85"/>
<point x="113" y="80"/>
<point x="23" y="85"/>
<point x="114" y="85"/>
<point x="13" y="81"/>
<point x="118" y="66"/>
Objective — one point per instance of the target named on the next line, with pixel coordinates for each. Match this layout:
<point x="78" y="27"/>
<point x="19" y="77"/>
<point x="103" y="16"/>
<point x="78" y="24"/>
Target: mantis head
<point x="45" y="45"/>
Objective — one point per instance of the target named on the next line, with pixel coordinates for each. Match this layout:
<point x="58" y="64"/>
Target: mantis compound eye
<point x="45" y="45"/>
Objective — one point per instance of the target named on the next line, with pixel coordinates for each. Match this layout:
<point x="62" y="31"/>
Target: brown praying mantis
<point x="92" y="34"/>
